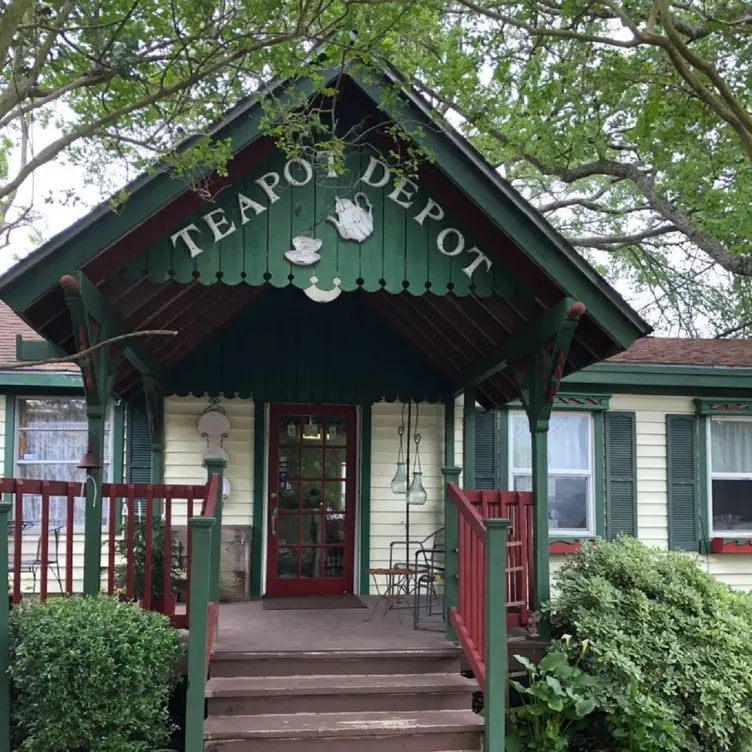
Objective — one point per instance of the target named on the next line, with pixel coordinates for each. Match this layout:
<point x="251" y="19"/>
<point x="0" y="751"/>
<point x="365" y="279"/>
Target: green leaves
<point x="670" y="647"/>
<point x="91" y="674"/>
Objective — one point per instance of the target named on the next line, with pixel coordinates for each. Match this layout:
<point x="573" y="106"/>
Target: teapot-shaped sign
<point x="354" y="220"/>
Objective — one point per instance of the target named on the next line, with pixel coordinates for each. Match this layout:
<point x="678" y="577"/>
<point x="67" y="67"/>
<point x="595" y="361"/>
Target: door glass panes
<point x="311" y="504"/>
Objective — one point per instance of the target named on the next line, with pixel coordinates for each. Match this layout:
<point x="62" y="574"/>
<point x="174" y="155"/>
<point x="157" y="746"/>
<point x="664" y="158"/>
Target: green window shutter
<point x="621" y="474"/>
<point x="683" y="482"/>
<point x="486" y="450"/>
<point x="139" y="447"/>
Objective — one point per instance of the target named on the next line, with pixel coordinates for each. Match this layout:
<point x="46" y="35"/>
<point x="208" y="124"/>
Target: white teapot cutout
<point x="354" y="220"/>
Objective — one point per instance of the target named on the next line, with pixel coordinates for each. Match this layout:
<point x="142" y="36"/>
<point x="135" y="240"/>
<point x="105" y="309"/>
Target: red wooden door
<point x="312" y="485"/>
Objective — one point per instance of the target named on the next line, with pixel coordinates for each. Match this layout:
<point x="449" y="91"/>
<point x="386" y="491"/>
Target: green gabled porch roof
<point x="470" y="329"/>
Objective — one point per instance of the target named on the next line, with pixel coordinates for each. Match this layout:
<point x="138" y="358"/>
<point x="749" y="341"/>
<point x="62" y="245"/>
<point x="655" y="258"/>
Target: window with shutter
<point x="683" y="482"/>
<point x="139" y="447"/>
<point x="486" y="450"/>
<point x="621" y="474"/>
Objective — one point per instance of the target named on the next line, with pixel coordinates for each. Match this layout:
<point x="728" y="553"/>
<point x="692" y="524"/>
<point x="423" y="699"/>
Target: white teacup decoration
<point x="354" y="220"/>
<point x="305" y="252"/>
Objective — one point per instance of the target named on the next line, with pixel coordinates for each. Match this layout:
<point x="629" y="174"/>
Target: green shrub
<point x="670" y="645"/>
<point x="555" y="700"/>
<point x="91" y="675"/>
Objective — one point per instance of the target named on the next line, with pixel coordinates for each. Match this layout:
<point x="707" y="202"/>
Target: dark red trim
<point x="276" y="586"/>
<point x="722" y="546"/>
<point x="565" y="547"/>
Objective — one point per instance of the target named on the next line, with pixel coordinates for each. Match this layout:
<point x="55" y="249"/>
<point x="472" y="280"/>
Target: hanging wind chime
<point x="413" y="491"/>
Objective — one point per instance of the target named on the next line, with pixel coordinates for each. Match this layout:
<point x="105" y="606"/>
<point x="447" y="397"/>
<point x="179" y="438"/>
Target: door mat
<point x="313" y="603"/>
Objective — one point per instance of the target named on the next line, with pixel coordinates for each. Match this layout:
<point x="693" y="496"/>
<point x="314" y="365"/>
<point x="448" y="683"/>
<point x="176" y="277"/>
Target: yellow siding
<point x="652" y="482"/>
<point x="184" y="450"/>
<point x="388" y="510"/>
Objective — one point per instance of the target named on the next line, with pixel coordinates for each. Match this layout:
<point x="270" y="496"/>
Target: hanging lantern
<point x="399" y="482"/>
<point x="416" y="494"/>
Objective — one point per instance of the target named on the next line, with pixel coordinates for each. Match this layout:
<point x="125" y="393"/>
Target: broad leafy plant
<point x="558" y="696"/>
<point x="91" y="674"/>
<point x="670" y="646"/>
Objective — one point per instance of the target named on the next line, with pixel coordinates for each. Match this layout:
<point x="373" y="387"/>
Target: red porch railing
<point x="47" y="548"/>
<point x="517" y="507"/>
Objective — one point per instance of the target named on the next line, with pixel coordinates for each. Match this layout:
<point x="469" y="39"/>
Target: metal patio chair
<point x="33" y="565"/>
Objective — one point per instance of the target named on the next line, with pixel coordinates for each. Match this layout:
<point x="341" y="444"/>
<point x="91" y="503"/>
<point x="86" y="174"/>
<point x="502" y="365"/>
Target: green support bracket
<point x="538" y="376"/>
<point x="451" y="551"/>
<point x="98" y="370"/>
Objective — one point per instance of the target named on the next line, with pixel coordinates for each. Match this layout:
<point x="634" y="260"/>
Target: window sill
<point x="565" y="546"/>
<point x="731" y="546"/>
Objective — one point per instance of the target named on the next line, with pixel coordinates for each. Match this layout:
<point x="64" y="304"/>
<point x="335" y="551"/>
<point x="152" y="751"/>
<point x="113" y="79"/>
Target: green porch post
<point x="216" y="466"/>
<point x="201" y="528"/>
<point x="451" y="551"/>
<point x="96" y="419"/>
<point x="468" y="437"/>
<point x="495" y="694"/>
<point x="5" y="507"/>
<point x="538" y="375"/>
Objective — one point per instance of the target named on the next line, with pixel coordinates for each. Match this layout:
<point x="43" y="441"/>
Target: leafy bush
<point x="554" y="702"/>
<point x="91" y="674"/>
<point x="670" y="646"/>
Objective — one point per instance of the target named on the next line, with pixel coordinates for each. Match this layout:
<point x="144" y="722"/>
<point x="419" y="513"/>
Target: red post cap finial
<point x="69" y="284"/>
<point x="576" y="310"/>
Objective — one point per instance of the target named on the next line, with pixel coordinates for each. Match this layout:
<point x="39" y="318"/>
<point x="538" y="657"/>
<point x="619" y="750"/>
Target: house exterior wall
<point x="183" y="463"/>
<point x="387" y="510"/>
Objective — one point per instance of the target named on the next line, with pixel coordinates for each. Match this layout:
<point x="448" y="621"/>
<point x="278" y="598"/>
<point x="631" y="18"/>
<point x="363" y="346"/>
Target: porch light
<point x="311" y="431"/>
<point x="416" y="494"/>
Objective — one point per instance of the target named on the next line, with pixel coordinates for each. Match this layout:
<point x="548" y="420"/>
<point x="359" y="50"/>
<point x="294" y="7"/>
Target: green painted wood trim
<point x="661" y="379"/>
<point x="468" y="438"/>
<point x="723" y="406"/>
<point x="522" y="342"/>
<point x="5" y="508"/>
<point x="568" y="402"/>
<point x="449" y="428"/>
<point x="29" y="279"/>
<point x="35" y="349"/>
<point x="10" y="442"/>
<point x="495" y="691"/>
<point x="621" y="473"/>
<point x="451" y="554"/>
<point x="216" y="466"/>
<point x="27" y="380"/>
<point x="599" y="474"/>
<point x="198" y="633"/>
<point x="704" y="481"/>
<point x="513" y="215"/>
<point x="259" y="458"/>
<point x="541" y="561"/>
<point x="503" y="458"/>
<point x="364" y="510"/>
<point x="118" y="441"/>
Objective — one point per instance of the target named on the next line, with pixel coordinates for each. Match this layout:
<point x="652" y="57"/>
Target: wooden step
<point x="417" y="731"/>
<point x="267" y="695"/>
<point x="350" y="662"/>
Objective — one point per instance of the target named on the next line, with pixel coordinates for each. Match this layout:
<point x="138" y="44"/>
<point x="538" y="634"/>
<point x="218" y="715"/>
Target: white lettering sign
<point x="353" y="217"/>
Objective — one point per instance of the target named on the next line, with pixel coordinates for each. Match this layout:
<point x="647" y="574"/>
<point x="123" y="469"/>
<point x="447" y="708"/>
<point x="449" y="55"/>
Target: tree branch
<point x="88" y="351"/>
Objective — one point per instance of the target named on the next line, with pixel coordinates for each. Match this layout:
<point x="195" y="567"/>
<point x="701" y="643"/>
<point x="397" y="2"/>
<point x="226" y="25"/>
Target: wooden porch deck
<point x="247" y="627"/>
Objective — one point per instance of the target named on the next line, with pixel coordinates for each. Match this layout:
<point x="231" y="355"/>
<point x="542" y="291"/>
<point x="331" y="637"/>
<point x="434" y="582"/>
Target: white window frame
<point x="588" y="532"/>
<point x="722" y="476"/>
<point x="17" y="428"/>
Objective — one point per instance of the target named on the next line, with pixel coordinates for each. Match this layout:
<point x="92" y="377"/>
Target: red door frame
<point x="276" y="586"/>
